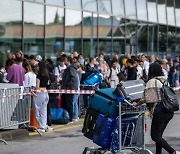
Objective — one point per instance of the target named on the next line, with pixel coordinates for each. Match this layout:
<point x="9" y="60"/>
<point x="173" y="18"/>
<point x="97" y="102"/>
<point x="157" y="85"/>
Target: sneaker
<point x="76" y="119"/>
<point x="49" y="129"/>
<point x="41" y="130"/>
<point x="176" y="152"/>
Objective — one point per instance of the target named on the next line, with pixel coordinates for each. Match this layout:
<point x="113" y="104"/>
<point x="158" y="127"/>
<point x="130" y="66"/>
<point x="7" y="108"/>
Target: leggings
<point x="159" y="122"/>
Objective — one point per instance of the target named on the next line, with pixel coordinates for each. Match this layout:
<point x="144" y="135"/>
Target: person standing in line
<point x="30" y="76"/>
<point x="59" y="69"/>
<point x="15" y="72"/>
<point x="131" y="70"/>
<point x="160" y="118"/>
<point x="70" y="82"/>
<point x="34" y="64"/>
<point x="112" y="75"/>
<point x="42" y="98"/>
<point x="146" y="64"/>
<point x="102" y="67"/>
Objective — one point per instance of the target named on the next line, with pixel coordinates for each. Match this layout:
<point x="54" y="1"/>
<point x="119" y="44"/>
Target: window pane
<point x="118" y="36"/>
<point x="10" y="27"/>
<point x="104" y="6"/>
<point x="152" y="38"/>
<point x="54" y="31"/>
<point x="170" y="12"/>
<point x="33" y="28"/>
<point x="162" y="11"/>
<point x="171" y="35"/>
<point x="130" y="9"/>
<point x="131" y="36"/>
<point x="178" y="42"/>
<point x="57" y="2"/>
<point x="73" y="30"/>
<point x="118" y="7"/>
<point x="89" y="34"/>
<point x="141" y="10"/>
<point x="42" y="1"/>
<point x="105" y="34"/>
<point x="73" y="4"/>
<point x="177" y="12"/>
<point x="89" y="5"/>
<point x="152" y="11"/>
<point x="162" y="34"/>
<point x="142" y="33"/>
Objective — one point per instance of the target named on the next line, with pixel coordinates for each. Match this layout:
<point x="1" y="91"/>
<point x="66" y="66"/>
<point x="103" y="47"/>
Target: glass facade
<point x="89" y="26"/>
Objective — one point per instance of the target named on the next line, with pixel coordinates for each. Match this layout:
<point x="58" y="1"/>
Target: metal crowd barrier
<point x="15" y="105"/>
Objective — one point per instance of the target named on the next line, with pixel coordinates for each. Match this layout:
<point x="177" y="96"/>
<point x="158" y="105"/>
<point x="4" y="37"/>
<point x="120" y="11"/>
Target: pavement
<point x="16" y="134"/>
<point x="172" y="133"/>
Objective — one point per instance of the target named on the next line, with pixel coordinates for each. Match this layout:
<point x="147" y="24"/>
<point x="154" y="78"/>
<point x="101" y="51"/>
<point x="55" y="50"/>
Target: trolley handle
<point x="122" y="99"/>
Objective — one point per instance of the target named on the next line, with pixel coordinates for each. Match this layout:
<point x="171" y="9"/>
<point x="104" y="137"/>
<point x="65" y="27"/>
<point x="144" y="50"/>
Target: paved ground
<point x="68" y="139"/>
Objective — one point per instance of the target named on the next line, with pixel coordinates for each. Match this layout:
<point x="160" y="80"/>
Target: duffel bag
<point x="59" y="116"/>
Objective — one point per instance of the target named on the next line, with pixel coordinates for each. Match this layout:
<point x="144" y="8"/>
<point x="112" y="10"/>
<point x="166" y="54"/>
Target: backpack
<point x="169" y="99"/>
<point x="93" y="78"/>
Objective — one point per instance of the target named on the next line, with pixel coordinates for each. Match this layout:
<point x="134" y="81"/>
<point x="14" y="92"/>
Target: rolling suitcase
<point x="103" y="131"/>
<point x="89" y="123"/>
<point x="105" y="102"/>
<point x="132" y="90"/>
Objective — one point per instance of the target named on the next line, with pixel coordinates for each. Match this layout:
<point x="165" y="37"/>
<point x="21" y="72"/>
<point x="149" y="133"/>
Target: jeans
<point x="69" y="105"/>
<point x="75" y="106"/>
<point x="159" y="122"/>
<point x="40" y="105"/>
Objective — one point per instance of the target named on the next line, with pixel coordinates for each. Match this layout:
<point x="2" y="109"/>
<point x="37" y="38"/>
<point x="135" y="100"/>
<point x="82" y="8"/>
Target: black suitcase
<point x="131" y="90"/>
<point x="89" y="123"/>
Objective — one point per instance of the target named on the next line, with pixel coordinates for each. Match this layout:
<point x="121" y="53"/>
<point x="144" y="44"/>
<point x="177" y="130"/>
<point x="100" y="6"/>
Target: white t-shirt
<point x="58" y="71"/>
<point x="113" y="79"/>
<point x="146" y="67"/>
<point x="30" y="79"/>
<point x="139" y="72"/>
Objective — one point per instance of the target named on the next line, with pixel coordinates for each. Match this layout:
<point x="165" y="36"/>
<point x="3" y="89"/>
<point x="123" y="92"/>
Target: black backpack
<point x="168" y="96"/>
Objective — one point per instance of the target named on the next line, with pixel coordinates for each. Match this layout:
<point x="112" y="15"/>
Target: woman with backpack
<point x="160" y="118"/>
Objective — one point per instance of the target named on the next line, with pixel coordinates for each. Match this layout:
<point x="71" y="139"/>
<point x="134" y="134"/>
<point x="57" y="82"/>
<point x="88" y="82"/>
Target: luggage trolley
<point x="131" y="122"/>
<point x="135" y="132"/>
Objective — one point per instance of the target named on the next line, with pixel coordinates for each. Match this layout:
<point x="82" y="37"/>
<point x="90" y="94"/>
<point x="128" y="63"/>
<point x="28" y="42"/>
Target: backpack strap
<point x="110" y="73"/>
<point x="161" y="80"/>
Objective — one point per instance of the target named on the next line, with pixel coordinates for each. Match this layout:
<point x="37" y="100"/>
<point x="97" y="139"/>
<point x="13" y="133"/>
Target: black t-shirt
<point x="132" y="73"/>
<point x="43" y="81"/>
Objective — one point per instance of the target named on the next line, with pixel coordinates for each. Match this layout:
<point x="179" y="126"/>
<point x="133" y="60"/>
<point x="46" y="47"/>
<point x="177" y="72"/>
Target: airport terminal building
<point x="90" y="26"/>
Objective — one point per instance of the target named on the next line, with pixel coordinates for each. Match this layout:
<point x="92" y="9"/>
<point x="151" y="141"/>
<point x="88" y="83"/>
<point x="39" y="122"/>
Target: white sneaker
<point x="177" y="152"/>
<point x="40" y="130"/>
<point x="76" y="119"/>
<point x="49" y="129"/>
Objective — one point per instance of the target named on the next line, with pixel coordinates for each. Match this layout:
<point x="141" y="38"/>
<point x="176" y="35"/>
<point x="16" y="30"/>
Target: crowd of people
<point x="69" y="72"/>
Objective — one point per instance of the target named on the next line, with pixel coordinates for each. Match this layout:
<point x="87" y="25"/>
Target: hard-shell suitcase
<point x="103" y="131"/>
<point x="132" y="90"/>
<point x="89" y="123"/>
<point x="105" y="102"/>
<point x="128" y="125"/>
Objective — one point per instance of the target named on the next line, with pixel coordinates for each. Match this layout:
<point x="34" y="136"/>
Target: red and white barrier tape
<point x="67" y="91"/>
<point x="61" y="92"/>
